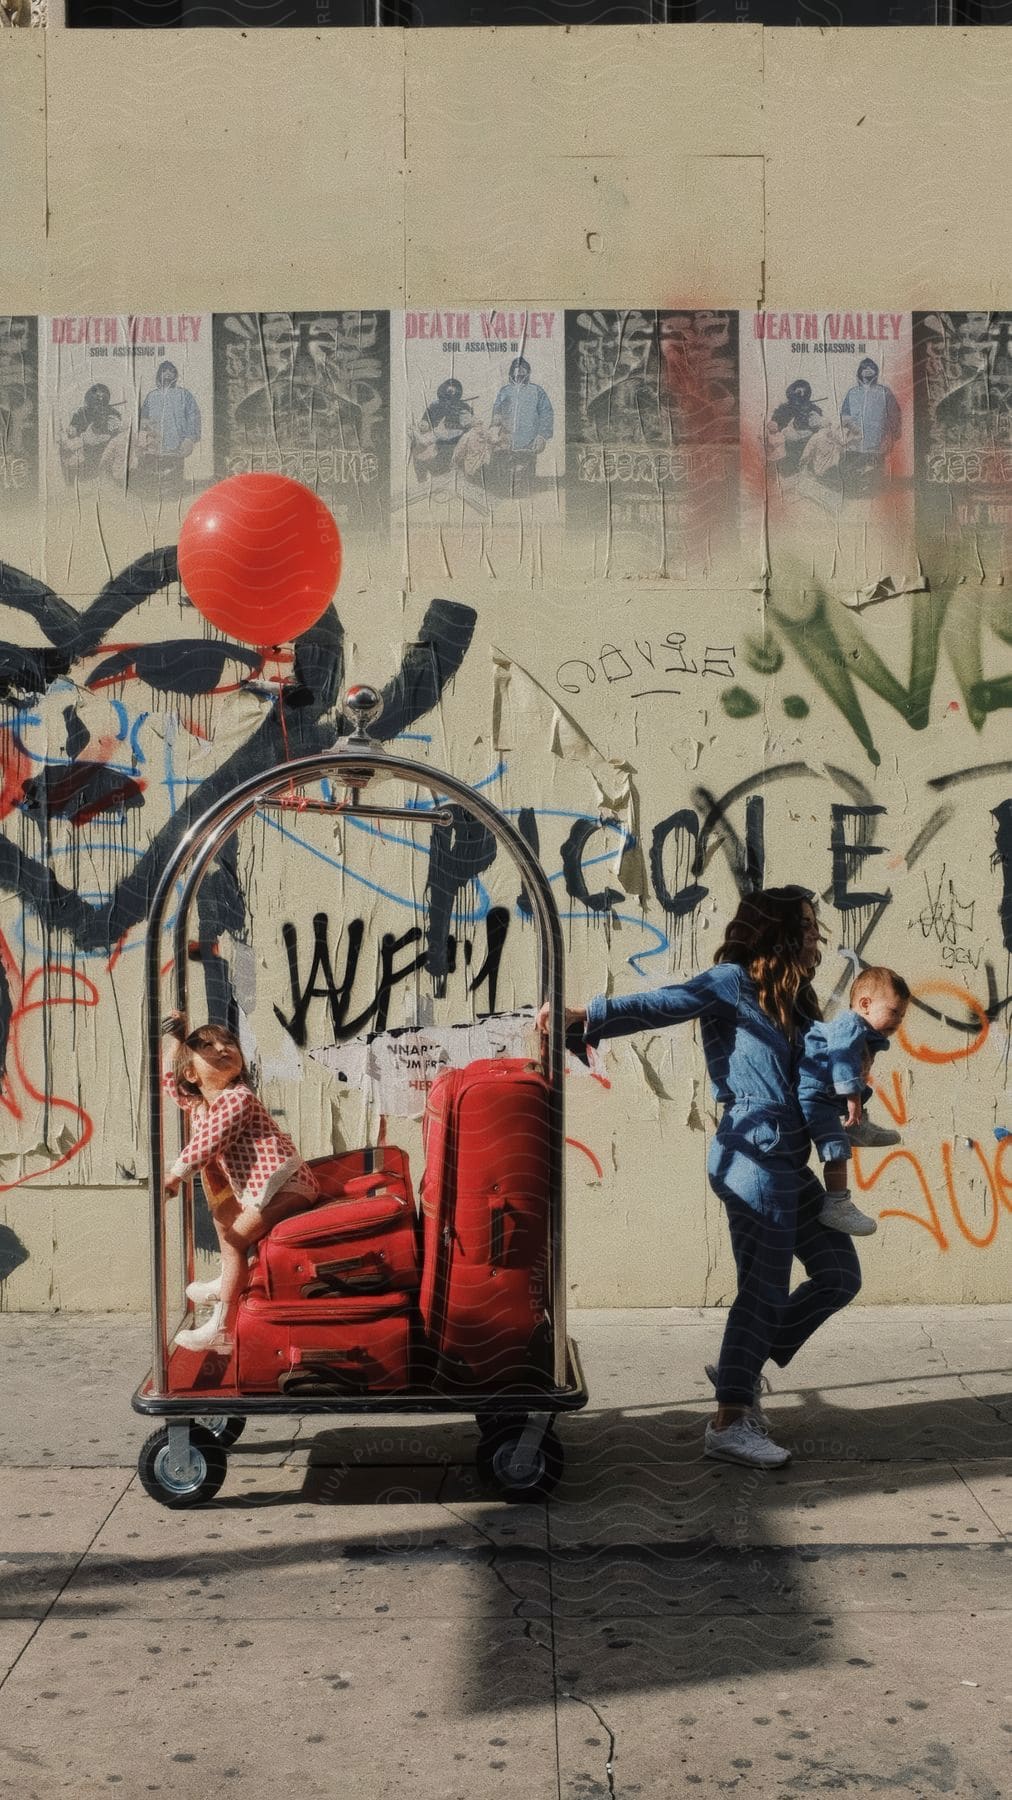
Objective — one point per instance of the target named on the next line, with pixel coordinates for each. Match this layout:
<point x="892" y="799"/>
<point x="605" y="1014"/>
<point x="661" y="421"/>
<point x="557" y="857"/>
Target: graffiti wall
<point x="701" y="598"/>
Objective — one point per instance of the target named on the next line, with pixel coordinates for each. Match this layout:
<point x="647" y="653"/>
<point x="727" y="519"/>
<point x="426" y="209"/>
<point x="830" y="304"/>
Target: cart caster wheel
<point x="172" y="1484"/>
<point x="495" y="1462"/>
<point x="225" y="1428"/>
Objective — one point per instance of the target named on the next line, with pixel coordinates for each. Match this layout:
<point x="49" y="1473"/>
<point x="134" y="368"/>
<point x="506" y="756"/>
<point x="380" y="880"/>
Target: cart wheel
<point x="198" y="1480"/>
<point x="494" y="1455"/>
<point x="225" y="1428"/>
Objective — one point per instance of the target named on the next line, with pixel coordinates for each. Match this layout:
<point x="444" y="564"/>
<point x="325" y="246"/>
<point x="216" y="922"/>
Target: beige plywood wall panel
<point x="691" y="228"/>
<point x="82" y="1249"/>
<point x="883" y="150"/>
<point x="23" y="146"/>
<point x="636" y="689"/>
<point x="591" y="91"/>
<point x="286" y="193"/>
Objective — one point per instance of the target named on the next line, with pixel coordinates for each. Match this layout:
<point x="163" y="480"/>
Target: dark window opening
<point x="420" y="14"/>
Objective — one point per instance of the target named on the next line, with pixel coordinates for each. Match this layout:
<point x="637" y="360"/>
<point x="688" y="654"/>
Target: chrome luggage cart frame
<point x="518" y="1453"/>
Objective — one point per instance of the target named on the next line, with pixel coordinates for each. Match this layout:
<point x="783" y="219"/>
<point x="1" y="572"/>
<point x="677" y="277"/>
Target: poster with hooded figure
<point x="963" y="401"/>
<point x="480" y="416"/>
<point x="827" y="445"/>
<point x="129" y="408"/>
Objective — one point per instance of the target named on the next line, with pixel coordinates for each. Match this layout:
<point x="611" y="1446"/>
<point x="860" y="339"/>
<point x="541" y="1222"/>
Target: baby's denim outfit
<point x="757" y="1165"/>
<point x="832" y="1068"/>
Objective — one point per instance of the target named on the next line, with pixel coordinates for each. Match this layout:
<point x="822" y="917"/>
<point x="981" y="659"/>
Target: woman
<point x="752" y="1006"/>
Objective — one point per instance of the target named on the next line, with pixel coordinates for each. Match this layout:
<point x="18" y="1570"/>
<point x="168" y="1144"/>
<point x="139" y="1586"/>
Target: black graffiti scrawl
<point x="74" y="788"/>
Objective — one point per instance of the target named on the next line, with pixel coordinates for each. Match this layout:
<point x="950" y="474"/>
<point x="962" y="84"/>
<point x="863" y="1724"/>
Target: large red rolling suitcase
<point x="360" y="1238"/>
<point x="485" y="1210"/>
<point x="359" y="1346"/>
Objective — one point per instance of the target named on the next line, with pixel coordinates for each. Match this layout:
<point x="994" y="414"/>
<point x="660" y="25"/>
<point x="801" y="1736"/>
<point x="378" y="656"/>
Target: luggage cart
<point x="184" y="1462"/>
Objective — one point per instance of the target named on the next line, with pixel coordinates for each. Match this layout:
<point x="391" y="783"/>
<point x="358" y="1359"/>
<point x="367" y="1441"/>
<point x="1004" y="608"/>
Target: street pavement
<point x="353" y="1615"/>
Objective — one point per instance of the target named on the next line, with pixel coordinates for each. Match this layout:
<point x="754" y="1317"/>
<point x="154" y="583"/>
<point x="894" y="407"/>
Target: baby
<point x="251" y="1171"/>
<point x="832" y="1085"/>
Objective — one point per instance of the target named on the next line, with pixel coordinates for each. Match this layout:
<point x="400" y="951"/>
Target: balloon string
<point x="292" y="797"/>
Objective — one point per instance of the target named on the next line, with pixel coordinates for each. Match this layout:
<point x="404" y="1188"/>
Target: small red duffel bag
<point x="342" y="1248"/>
<point x="361" y="1236"/>
<point x="350" y="1174"/>
<point x="360" y="1346"/>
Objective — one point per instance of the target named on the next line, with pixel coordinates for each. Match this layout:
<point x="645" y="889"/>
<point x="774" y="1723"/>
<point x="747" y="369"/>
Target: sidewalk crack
<point x="568" y="1693"/>
<point x="519" y="1600"/>
<point x="957" y="1471"/>
<point x="609" y="1766"/>
<point x="100" y="1527"/>
<point x="989" y="1405"/>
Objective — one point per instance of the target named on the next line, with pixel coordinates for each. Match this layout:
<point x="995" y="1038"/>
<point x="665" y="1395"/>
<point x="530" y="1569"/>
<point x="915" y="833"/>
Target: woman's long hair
<point x="766" y="938"/>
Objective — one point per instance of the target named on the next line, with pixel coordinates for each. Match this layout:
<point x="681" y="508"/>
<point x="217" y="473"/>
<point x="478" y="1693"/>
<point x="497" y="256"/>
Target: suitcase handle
<point x="357" y="1188"/>
<point x="338" y="1368"/>
<point x="355" y="1354"/>
<point x="347" y="1265"/>
<point x="310" y="1373"/>
<point x="359" y="1275"/>
<point x="497" y="1233"/>
<point x="508" y="1231"/>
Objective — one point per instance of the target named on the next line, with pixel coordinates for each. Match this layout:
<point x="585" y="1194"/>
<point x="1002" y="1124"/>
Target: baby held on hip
<point x="832" y="1086"/>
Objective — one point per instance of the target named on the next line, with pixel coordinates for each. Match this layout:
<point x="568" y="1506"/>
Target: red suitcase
<point x="485" y="1205"/>
<point x="339" y="1346"/>
<point x="363" y="1242"/>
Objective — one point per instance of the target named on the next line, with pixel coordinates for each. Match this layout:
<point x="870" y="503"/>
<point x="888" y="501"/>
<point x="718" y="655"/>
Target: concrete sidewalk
<point x="352" y="1616"/>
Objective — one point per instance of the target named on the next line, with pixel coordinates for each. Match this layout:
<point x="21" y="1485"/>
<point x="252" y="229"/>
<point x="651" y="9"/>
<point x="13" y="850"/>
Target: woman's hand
<point x="174" y="1026"/>
<point x="171" y="1186"/>
<point x="575" y="1016"/>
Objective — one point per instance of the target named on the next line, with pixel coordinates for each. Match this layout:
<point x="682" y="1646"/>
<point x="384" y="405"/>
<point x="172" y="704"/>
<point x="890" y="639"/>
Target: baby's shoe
<point x="206" y="1337"/>
<point x="201" y="1291"/>
<point x="840" y="1214"/>
<point x="869" y="1136"/>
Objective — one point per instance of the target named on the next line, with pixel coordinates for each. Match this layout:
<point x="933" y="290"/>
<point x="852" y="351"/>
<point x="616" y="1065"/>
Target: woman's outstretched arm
<point x="714" y="990"/>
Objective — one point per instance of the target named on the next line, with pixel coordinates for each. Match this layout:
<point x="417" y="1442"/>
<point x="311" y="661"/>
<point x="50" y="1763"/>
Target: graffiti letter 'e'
<point x="848" y="854"/>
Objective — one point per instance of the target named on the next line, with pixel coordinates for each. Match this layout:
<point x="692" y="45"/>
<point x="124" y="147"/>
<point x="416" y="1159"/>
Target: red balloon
<point x="260" y="557"/>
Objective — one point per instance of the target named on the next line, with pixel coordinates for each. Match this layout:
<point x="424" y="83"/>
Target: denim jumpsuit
<point x="758" y="1167"/>
<point x="832" y="1068"/>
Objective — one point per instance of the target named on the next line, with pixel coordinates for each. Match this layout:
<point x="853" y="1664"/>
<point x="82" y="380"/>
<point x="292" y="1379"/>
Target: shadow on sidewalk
<point x="652" y="1567"/>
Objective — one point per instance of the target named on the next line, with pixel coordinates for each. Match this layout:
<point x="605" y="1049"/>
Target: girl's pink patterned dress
<point x="237" y="1131"/>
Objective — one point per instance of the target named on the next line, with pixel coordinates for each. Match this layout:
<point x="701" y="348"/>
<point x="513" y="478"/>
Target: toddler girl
<point x="252" y="1173"/>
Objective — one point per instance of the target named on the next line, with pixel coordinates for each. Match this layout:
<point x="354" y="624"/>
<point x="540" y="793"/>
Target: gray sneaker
<point x="743" y="1442"/>
<point x="869" y="1136"/>
<point x="840" y="1214"/>
<point x="762" y="1387"/>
